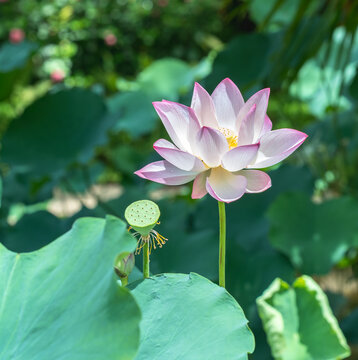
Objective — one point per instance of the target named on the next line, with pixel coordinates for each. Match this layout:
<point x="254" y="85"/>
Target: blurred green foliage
<point x="73" y="31"/>
<point x="96" y="126"/>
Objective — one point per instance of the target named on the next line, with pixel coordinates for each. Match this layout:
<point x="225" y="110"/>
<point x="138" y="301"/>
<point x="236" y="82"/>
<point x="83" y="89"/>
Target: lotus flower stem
<point x="222" y="243"/>
<point x="146" y="260"/>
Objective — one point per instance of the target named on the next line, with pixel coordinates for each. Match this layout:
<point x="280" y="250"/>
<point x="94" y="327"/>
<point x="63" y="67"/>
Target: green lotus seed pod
<point x="142" y="216"/>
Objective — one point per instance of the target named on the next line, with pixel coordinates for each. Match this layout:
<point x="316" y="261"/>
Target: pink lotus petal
<point x="257" y="181"/>
<point x="267" y="127"/>
<point x="260" y="99"/>
<point x="277" y="145"/>
<point x="211" y="145"/>
<point x="180" y="159"/>
<point x="248" y="133"/>
<point x="228" y="102"/>
<point x="247" y="128"/>
<point x="239" y="157"/>
<point x="225" y="186"/>
<point x="199" y="186"/>
<point x="180" y="122"/>
<point x="203" y="106"/>
<point x="164" y="172"/>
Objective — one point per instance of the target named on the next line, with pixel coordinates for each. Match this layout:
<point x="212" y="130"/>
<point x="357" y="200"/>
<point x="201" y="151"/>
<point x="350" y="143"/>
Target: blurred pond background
<point x="77" y="78"/>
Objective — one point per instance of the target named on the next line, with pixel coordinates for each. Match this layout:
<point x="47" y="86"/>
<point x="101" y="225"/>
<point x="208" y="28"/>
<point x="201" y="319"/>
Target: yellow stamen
<point x="140" y="244"/>
<point x="231" y="137"/>
<point x="154" y="239"/>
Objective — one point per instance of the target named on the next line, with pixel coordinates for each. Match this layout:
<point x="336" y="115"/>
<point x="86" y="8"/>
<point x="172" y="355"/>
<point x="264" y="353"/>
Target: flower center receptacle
<point x="231" y="137"/>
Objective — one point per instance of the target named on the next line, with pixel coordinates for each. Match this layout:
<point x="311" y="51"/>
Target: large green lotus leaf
<point x="314" y="236"/>
<point x="63" y="302"/>
<point x="299" y="323"/>
<point x="55" y="131"/>
<point x="189" y="317"/>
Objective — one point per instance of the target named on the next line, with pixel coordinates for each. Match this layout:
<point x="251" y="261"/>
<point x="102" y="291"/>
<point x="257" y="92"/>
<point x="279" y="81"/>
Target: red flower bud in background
<point x="57" y="76"/>
<point x="16" y="36"/>
<point x="110" y="40"/>
<point x="163" y="3"/>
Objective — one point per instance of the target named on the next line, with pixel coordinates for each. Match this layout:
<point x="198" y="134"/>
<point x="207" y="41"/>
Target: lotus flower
<point x="219" y="142"/>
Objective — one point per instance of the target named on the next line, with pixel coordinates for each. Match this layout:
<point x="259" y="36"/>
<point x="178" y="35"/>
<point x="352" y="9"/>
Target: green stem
<point x="222" y="243"/>
<point x="146" y="260"/>
<point x="124" y="281"/>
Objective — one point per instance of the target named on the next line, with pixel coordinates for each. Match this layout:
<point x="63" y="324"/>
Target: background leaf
<point x="349" y="327"/>
<point x="166" y="78"/>
<point x="18" y="53"/>
<point x="314" y="236"/>
<point x="13" y="60"/>
<point x="244" y="61"/>
<point x="55" y="131"/>
<point x="33" y="231"/>
<point x="133" y="112"/>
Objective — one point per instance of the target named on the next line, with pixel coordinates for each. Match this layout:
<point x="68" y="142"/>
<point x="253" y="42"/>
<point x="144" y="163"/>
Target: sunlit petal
<point x="225" y="186"/>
